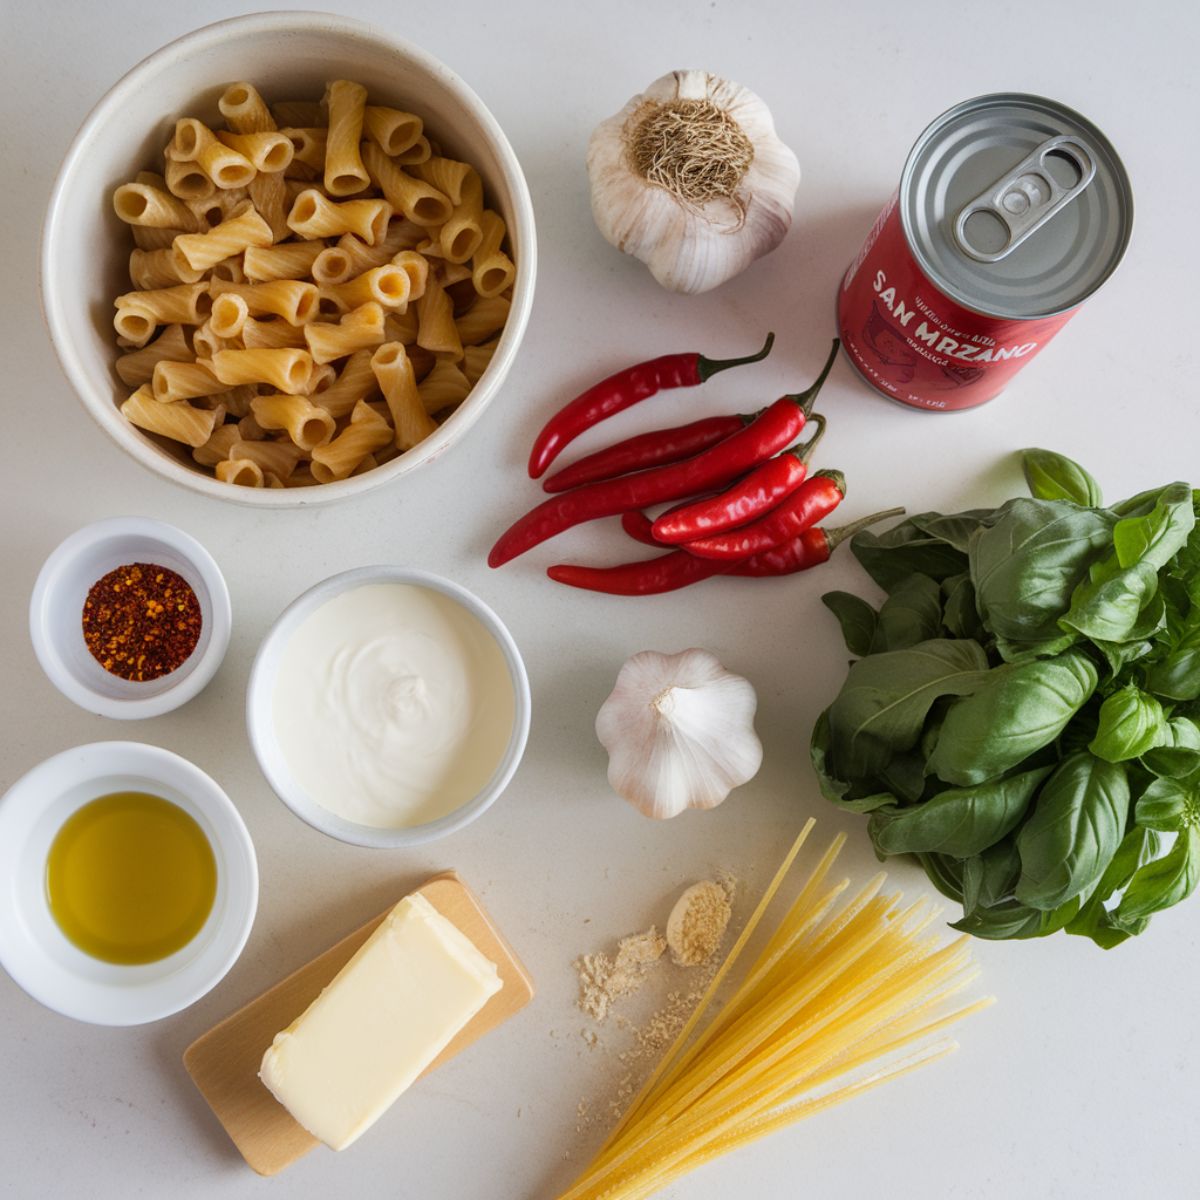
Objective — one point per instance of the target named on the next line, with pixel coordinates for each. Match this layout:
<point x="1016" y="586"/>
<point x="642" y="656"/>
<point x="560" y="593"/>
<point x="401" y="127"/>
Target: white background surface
<point x="1082" y="1080"/>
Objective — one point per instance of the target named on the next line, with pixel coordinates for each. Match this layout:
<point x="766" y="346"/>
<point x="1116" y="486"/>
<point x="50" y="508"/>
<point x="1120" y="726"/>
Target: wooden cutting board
<point x="224" y="1062"/>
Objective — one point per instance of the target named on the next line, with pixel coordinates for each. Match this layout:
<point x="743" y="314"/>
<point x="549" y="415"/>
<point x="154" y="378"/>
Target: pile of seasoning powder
<point x="141" y="621"/>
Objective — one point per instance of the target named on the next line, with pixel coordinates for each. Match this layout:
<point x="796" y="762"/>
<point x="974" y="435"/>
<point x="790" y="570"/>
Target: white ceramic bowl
<point x="288" y="55"/>
<point x="260" y="719"/>
<point x="33" y="949"/>
<point x="56" y="608"/>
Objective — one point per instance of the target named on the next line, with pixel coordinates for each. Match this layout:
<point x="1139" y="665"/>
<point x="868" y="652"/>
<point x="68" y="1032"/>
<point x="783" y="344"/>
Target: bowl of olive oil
<point x="133" y="883"/>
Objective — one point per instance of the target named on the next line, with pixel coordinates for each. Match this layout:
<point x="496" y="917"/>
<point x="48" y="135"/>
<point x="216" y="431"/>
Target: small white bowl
<point x="56" y="615"/>
<point x="34" y="950"/>
<point x="288" y="55"/>
<point x="260" y="719"/>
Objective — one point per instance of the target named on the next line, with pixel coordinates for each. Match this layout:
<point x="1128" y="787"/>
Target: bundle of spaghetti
<point x="838" y="1001"/>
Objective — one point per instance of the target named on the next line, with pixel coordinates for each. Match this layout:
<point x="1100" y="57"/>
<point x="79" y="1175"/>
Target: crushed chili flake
<point x="141" y="621"/>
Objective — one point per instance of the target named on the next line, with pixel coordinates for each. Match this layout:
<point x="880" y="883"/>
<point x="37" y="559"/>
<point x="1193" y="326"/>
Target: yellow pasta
<point x="235" y="400"/>
<point x="206" y="343"/>
<point x="188" y="181"/>
<point x="444" y="387"/>
<point x="355" y="382"/>
<point x="158" y="269"/>
<point x="290" y="299"/>
<point x="202" y="251"/>
<point x="144" y="204"/>
<point x="367" y="431"/>
<point x="435" y="313"/>
<point x="834" y="1004"/>
<point x="412" y="198"/>
<point x="184" y="380"/>
<point x="244" y="110"/>
<point x="177" y="420"/>
<point x="271" y="334"/>
<point x="149" y="237"/>
<point x="359" y="329"/>
<point x="268" y="193"/>
<point x="462" y="233"/>
<point x="266" y="150"/>
<point x="229" y="269"/>
<point x="184" y="304"/>
<point x="241" y="472"/>
<point x="279" y="458"/>
<point x="419" y="152"/>
<point x="229" y="314"/>
<point x="416" y="267"/>
<point x="394" y="374"/>
<point x="291" y="113"/>
<point x="448" y="175"/>
<point x="217" y="447"/>
<point x="476" y="359"/>
<point x="195" y="142"/>
<point x="249" y="430"/>
<point x="389" y="286"/>
<point x="316" y="216"/>
<point x="401" y="326"/>
<point x="393" y="130"/>
<point x="291" y="260"/>
<point x="485" y="318"/>
<point x="285" y="369"/>
<point x="491" y="269"/>
<point x="344" y="170"/>
<point x="137" y="368"/>
<point x="306" y="424"/>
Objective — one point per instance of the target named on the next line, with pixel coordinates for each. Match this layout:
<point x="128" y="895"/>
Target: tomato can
<point x="1011" y="211"/>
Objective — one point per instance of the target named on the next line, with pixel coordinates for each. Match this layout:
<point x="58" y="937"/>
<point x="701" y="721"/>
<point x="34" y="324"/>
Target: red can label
<point x="913" y="343"/>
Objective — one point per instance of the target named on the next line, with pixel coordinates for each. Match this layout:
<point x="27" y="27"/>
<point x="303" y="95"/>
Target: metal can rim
<point x="944" y="285"/>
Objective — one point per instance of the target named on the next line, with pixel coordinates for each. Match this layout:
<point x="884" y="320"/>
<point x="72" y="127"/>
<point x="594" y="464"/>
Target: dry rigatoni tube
<point x="366" y="432"/>
<point x="344" y="170"/>
<point x="399" y="386"/>
<point x="137" y="367"/>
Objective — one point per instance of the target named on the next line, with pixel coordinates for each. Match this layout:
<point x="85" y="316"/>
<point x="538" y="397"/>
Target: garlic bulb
<point x="679" y="731"/>
<point x="691" y="178"/>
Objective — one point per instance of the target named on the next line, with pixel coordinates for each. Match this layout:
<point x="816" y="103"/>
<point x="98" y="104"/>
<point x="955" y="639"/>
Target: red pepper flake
<point x="141" y="621"/>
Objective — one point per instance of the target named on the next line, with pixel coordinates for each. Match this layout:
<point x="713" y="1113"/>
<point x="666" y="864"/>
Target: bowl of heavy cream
<point x="388" y="706"/>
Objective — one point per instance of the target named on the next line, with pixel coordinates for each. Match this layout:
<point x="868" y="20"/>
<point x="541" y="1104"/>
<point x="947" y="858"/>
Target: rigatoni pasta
<point x="293" y="266"/>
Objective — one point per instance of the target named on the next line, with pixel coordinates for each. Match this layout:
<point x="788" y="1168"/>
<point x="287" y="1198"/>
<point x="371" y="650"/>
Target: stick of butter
<point x="390" y="1011"/>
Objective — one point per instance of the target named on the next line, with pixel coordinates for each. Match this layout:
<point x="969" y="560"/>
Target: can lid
<point x="1016" y="206"/>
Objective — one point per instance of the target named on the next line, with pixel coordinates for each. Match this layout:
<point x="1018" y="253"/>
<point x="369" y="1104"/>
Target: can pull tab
<point x="1000" y="218"/>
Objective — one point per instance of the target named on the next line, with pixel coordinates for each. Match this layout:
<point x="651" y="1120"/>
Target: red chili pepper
<point x="624" y="389"/>
<point x="816" y="498"/>
<point x="771" y="431"/>
<point x="764" y="489"/>
<point x="678" y="569"/>
<point x="812" y="547"/>
<point x="646" y="450"/>
<point x="640" y="528"/>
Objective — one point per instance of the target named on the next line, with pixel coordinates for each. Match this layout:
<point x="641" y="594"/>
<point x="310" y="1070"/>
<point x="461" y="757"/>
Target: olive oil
<point x="130" y="878"/>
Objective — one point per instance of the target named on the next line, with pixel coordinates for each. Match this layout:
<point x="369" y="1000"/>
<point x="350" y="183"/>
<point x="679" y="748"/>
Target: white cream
<point x="393" y="705"/>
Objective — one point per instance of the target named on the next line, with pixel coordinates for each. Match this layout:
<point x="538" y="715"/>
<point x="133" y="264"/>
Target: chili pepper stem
<point x="707" y="367"/>
<point x="835" y="537"/>
<point x="804" y="450"/>
<point x="807" y="398"/>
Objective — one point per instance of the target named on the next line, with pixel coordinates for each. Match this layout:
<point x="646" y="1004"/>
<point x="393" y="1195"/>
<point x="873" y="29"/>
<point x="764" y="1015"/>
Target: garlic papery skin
<point x="691" y="178"/>
<point x="679" y="731"/>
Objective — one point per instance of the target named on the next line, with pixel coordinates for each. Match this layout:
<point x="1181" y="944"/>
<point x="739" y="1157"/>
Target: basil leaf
<point x="945" y="873"/>
<point x="1027" y="566"/>
<point x="1053" y="477"/>
<point x="1176" y="676"/>
<point x="960" y="616"/>
<point x="1076" y="827"/>
<point x="1179" y="753"/>
<point x="1160" y="534"/>
<point x="960" y="822"/>
<point x="892" y="556"/>
<point x="1011" y="920"/>
<point x="856" y="617"/>
<point x="1131" y="722"/>
<point x="1167" y="806"/>
<point x="1108" y="604"/>
<point x="1017" y="710"/>
<point x="911" y="614"/>
<point x="955" y="529"/>
<point x="905" y="775"/>
<point x="1139" y="846"/>
<point x="835" y="790"/>
<point x="1165" y="881"/>
<point x="990" y="877"/>
<point x="883" y="703"/>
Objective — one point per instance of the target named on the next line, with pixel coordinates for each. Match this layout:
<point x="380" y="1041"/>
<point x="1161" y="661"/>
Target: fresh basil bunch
<point x="1024" y="712"/>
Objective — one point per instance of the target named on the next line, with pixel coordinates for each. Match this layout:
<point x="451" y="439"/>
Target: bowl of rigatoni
<point x="287" y="259"/>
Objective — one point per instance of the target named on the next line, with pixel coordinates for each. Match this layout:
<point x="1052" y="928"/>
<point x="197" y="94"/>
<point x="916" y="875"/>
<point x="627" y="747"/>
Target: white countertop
<point x="1078" y="1083"/>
